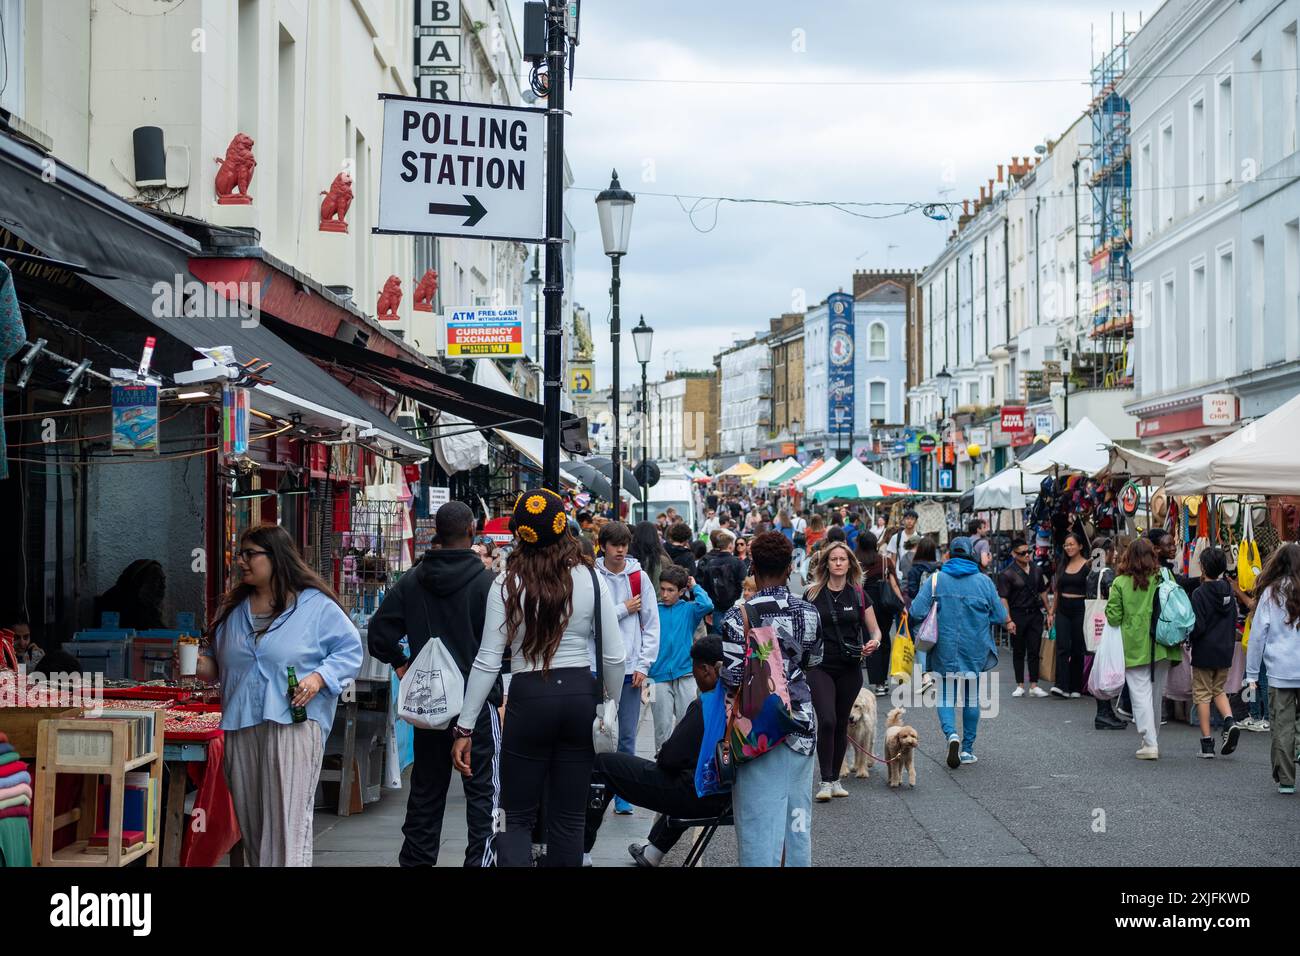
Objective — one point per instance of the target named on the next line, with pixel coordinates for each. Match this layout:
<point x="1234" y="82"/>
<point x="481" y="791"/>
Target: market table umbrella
<point x="606" y="468"/>
<point x="739" y="470"/>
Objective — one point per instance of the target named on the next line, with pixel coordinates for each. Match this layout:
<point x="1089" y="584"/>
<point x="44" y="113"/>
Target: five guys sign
<point x="459" y="169"/>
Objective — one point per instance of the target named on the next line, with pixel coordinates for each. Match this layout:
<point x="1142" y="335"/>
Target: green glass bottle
<point x="299" y="714"/>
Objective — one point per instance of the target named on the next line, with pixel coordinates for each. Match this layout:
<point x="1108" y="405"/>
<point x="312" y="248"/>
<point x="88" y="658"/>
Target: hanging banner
<point x="1013" y="419"/>
<point x="839" y="386"/>
<point x="135" y="417"/>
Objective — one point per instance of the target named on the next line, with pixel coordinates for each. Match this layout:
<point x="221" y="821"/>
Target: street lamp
<point x="642" y="340"/>
<point x="614" y="209"/>
<point x="945" y="385"/>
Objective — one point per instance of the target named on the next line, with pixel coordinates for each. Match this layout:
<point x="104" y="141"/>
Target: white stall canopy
<point x="1260" y="458"/>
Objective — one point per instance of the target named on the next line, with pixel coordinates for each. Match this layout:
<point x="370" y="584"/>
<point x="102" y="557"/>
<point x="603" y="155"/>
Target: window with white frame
<point x="1225" y="352"/>
<point x="878" y="401"/>
<point x="1291" y="289"/>
<point x="11" y="56"/>
<point x="1290" y="63"/>
<point x="1167" y="344"/>
<point x="1198" y="313"/>
<point x="877" y="342"/>
<point x="1197" y="173"/>
<point x="1145" y="183"/>
<point x="1223" y="159"/>
<point x="1166" y="182"/>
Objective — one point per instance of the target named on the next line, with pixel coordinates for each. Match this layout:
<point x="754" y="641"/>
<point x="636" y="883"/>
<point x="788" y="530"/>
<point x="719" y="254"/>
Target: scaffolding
<point x="1112" y="221"/>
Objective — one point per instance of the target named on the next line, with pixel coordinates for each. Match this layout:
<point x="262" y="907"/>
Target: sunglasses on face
<point x="1021" y="554"/>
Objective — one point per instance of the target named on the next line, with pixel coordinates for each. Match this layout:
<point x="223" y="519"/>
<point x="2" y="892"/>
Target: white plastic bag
<point x="1107" y="677"/>
<point x="604" y="729"/>
<point x="433" y="690"/>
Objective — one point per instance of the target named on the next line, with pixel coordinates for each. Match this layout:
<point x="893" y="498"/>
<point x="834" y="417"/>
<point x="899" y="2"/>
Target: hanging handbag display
<point x="604" y="729"/>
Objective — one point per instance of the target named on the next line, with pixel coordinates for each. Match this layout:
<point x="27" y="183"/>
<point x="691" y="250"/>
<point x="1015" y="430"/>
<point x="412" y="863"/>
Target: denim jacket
<point x="313" y="635"/>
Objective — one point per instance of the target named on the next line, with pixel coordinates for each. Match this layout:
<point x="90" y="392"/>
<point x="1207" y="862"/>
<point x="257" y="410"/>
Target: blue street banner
<point x="839" y="385"/>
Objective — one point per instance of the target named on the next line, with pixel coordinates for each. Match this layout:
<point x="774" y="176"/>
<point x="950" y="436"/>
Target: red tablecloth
<point x="218" y="830"/>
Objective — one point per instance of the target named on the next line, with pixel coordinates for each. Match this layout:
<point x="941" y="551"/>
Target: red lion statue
<point x="236" y="170"/>
<point x="422" y="298"/>
<point x="337" y="201"/>
<point x="390" y="299"/>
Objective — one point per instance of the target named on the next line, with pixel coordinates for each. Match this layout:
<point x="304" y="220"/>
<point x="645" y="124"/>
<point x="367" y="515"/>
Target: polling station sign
<point x="462" y="169"/>
<point x="485" y="333"/>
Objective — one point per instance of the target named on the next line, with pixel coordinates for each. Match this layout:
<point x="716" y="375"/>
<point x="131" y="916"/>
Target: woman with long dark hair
<point x="544" y="609"/>
<point x="1134" y="607"/>
<point x="1069" y="593"/>
<point x="849" y="633"/>
<point x="648" y="549"/>
<point x="877" y="574"/>
<point x="1275" y="641"/>
<point x="280" y="615"/>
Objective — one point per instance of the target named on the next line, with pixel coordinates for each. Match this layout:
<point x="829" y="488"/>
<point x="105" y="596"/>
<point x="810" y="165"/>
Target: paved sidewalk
<point x="374" y="837"/>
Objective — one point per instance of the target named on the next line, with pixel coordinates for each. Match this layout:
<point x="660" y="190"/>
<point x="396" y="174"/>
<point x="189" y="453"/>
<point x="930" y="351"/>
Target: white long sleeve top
<point x="576" y="644"/>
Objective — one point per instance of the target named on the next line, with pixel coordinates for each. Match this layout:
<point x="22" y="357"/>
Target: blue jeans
<point x="629" y="717"/>
<point x="1259" y="706"/>
<point x="772" y="803"/>
<point x="950" y="690"/>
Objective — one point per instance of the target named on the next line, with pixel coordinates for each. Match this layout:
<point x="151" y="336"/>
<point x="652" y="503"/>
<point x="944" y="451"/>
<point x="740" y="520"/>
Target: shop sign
<point x="927" y="444"/>
<point x="1020" y="439"/>
<point x="900" y="447"/>
<point x="135" y="416"/>
<point x="980" y="436"/>
<point x="1013" y="419"/>
<point x="580" y="378"/>
<point x="438" y="497"/>
<point x="1186" y="419"/>
<point x="1218" y="408"/>
<point x="485" y="333"/>
<point x="1045" y="423"/>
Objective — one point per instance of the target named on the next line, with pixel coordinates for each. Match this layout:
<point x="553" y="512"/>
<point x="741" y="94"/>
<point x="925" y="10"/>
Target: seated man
<point x="667" y="783"/>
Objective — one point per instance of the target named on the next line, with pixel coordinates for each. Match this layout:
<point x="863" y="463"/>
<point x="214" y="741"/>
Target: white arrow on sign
<point x="462" y="169"/>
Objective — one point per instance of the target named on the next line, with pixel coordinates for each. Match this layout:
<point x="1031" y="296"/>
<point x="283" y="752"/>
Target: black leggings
<point x="546" y="749"/>
<point x="1069" y="644"/>
<point x="1027" y="642"/>
<point x="878" y="663"/>
<point x="834" y="689"/>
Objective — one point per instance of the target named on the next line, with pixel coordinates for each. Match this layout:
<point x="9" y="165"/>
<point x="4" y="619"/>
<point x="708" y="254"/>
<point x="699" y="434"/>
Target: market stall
<point x="1261" y="458"/>
<point x="854" y="481"/>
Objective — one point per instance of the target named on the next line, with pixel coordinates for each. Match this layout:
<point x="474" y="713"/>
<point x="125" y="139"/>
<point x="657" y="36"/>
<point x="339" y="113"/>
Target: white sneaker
<point x="1038" y="692"/>
<point x="1056" y="691"/>
<point x="837" y="790"/>
<point x="1148" y="753"/>
<point x="1018" y="692"/>
<point x="1074" y="694"/>
<point x="824" y="793"/>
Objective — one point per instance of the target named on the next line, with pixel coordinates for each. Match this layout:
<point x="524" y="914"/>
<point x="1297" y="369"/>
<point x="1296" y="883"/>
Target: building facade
<point x="787" y="343"/>
<point x="1216" y="258"/>
<point x="745" y="397"/>
<point x="683" y="411"/>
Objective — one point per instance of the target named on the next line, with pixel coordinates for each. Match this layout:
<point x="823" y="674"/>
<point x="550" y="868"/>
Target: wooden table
<point x="177" y="755"/>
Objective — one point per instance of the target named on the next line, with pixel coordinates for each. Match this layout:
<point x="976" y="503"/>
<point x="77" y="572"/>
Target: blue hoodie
<point x="677" y="626"/>
<point x="968" y="607"/>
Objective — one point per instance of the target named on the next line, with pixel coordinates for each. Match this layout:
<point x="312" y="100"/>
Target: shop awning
<point x="131" y="254"/>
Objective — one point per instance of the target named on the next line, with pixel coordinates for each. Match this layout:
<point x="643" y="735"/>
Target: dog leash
<point x="863" y="750"/>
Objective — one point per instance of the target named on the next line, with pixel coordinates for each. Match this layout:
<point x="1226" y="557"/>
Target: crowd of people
<point x="749" y="642"/>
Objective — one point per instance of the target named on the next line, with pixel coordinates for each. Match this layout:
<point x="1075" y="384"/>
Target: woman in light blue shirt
<point x="281" y="614"/>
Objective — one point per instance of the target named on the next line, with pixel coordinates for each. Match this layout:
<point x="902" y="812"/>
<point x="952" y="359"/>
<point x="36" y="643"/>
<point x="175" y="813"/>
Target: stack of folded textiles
<point x="15" y="783"/>
<point x="15" y="808"/>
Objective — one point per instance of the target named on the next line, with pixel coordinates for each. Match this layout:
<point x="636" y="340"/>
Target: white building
<point x="746" y="398"/>
<point x="1213" y="93"/>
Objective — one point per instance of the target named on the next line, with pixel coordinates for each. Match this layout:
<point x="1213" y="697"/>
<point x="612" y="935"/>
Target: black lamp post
<point x="614" y="208"/>
<point x="642" y="340"/>
<point x="945" y="385"/>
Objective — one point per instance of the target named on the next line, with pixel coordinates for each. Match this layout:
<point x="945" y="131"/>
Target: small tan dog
<point x="900" y="745"/>
<point x="862" y="735"/>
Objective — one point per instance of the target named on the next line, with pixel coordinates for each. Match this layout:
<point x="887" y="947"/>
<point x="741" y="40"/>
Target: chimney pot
<point x="999" y="172"/>
<point x="965" y="207"/>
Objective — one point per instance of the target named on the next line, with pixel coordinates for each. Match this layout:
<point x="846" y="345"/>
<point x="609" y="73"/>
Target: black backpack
<point x="718" y="577"/>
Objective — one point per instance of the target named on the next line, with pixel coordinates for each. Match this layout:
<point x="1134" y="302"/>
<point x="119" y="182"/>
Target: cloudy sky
<point x="850" y="101"/>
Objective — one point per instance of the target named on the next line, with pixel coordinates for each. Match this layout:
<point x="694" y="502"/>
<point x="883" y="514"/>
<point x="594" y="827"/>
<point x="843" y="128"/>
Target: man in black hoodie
<point x="679" y="547"/>
<point x="444" y="596"/>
